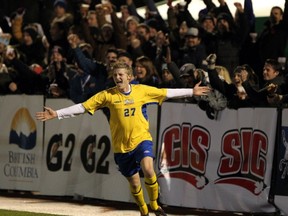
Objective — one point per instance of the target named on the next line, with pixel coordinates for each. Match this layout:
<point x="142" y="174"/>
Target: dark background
<point x="138" y="3"/>
<point x="39" y="10"/>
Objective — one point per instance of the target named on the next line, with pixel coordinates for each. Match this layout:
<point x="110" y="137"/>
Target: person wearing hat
<point x="60" y="23"/>
<point x="208" y="23"/>
<point x="186" y="74"/>
<point x="31" y="49"/>
<point x="187" y="79"/>
<point x="194" y="51"/>
<point x="107" y="31"/>
<point x="61" y="14"/>
<point x="60" y="3"/>
<point x="30" y="35"/>
<point x="131" y="24"/>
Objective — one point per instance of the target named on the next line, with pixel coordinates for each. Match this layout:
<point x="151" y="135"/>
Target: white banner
<point x="78" y="157"/>
<point x="21" y="139"/>
<point x="281" y="185"/>
<point x="228" y="159"/>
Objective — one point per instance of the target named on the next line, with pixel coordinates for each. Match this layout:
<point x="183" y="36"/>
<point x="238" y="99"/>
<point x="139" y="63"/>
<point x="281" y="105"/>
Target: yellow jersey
<point x="129" y="124"/>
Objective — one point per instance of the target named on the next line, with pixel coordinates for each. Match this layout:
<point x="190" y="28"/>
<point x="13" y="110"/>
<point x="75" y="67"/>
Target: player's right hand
<point x="47" y="114"/>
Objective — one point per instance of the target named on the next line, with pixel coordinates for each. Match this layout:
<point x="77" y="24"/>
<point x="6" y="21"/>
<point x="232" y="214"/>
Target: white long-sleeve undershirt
<point x="179" y="93"/>
<point x="70" y="111"/>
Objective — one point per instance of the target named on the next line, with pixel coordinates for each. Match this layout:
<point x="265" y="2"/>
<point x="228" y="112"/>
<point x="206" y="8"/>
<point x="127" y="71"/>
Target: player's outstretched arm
<point x="67" y="112"/>
<point x="200" y="90"/>
<point x="188" y="92"/>
<point x="47" y="114"/>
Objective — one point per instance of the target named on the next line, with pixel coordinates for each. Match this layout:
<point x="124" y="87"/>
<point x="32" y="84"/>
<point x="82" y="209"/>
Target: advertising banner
<point x="222" y="164"/>
<point x="281" y="185"/>
<point x="21" y="139"/>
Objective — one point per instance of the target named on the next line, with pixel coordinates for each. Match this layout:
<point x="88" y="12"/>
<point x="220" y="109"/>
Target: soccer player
<point x="131" y="140"/>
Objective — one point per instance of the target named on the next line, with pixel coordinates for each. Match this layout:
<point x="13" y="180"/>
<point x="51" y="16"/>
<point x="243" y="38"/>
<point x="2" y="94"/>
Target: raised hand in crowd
<point x="73" y="40"/>
<point x="162" y="43"/>
<point x="239" y="7"/>
<point x="222" y="2"/>
<point x="234" y="92"/>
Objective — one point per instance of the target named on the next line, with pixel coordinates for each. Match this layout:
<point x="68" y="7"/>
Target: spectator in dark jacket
<point x="7" y="86"/>
<point x="82" y="85"/>
<point x="53" y="81"/>
<point x="142" y="44"/>
<point x="273" y="39"/>
<point x="194" y="51"/>
<point x="229" y="38"/>
<point x="274" y="83"/>
<point x="100" y="70"/>
<point x="32" y="50"/>
<point x="234" y="92"/>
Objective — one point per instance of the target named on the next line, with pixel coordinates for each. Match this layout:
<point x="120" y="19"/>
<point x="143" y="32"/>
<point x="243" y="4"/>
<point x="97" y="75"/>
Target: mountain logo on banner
<point x="23" y="130"/>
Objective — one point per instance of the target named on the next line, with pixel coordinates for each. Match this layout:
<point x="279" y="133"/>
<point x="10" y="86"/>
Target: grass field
<point x="21" y="213"/>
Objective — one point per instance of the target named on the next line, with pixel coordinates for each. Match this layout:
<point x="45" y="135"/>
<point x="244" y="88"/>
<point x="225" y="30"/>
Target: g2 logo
<point x="56" y="153"/>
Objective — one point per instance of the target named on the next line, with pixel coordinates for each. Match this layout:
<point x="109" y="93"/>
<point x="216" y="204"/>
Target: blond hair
<point x="121" y="65"/>
<point x="224" y="73"/>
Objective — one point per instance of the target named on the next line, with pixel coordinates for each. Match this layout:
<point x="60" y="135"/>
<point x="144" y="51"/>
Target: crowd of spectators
<point x="68" y="53"/>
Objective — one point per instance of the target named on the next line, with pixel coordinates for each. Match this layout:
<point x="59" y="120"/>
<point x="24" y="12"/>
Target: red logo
<point x="185" y="149"/>
<point x="243" y="160"/>
<point x="184" y="154"/>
